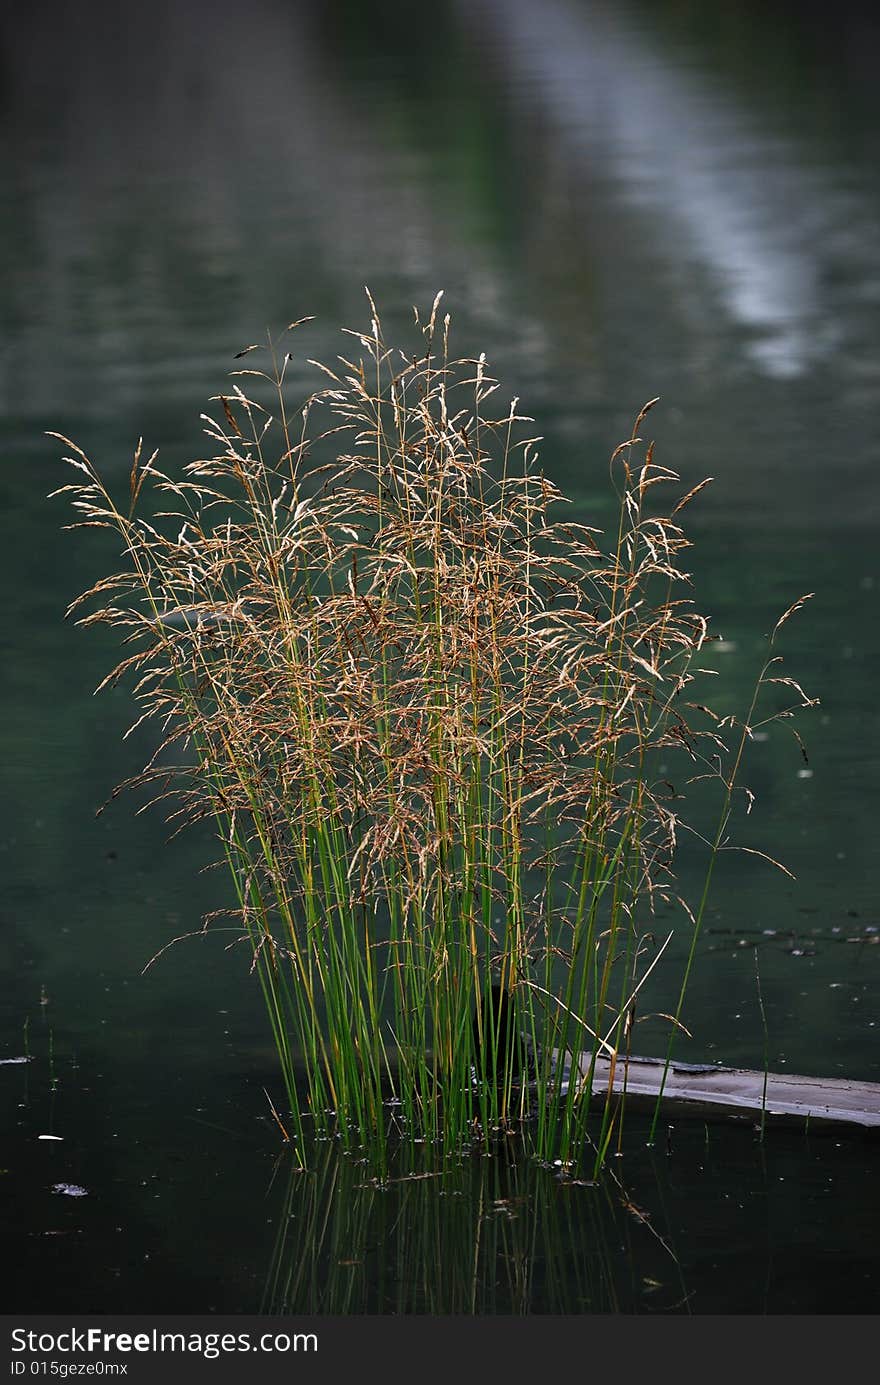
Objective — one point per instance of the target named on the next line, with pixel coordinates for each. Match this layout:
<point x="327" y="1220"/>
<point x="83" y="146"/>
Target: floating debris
<point x="50" y="1137"/>
<point x="738" y="1092"/>
<point x="7" y="1062"/>
<point x="70" y="1190"/>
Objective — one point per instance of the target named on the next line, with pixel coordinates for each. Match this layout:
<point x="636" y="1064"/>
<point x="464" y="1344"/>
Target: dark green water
<point x="620" y="201"/>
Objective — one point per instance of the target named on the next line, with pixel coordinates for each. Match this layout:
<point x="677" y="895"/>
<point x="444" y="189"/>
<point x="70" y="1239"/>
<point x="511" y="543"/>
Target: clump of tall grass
<point x="426" y="710"/>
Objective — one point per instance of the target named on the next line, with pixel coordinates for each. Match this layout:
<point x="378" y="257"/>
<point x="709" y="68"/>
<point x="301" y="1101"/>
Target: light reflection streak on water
<point x="685" y="151"/>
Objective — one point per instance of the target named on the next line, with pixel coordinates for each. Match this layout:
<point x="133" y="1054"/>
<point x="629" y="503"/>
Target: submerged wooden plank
<point x="739" y="1093"/>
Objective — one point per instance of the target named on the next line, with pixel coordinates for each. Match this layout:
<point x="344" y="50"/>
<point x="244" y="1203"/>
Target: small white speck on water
<point x="805" y="774"/>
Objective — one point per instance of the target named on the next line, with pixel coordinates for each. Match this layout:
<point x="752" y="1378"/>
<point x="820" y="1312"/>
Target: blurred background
<point x="620" y="200"/>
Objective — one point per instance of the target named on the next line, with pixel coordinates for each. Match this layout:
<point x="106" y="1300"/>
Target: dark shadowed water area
<point x="620" y="201"/>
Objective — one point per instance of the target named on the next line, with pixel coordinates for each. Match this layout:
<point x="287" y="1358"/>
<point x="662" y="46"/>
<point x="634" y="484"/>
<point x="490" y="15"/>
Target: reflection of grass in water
<point x="441" y="731"/>
<point x="500" y="1235"/>
<point x="34" y="1058"/>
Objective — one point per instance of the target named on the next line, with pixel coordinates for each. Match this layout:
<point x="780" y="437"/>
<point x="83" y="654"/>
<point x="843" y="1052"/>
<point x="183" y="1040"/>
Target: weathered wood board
<point x="695" y="1090"/>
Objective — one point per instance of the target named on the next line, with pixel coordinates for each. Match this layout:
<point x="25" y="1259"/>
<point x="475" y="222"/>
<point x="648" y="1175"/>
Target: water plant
<point x="428" y="712"/>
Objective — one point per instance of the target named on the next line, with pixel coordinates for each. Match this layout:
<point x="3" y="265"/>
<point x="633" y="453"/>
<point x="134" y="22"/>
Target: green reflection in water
<point x="494" y="1235"/>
